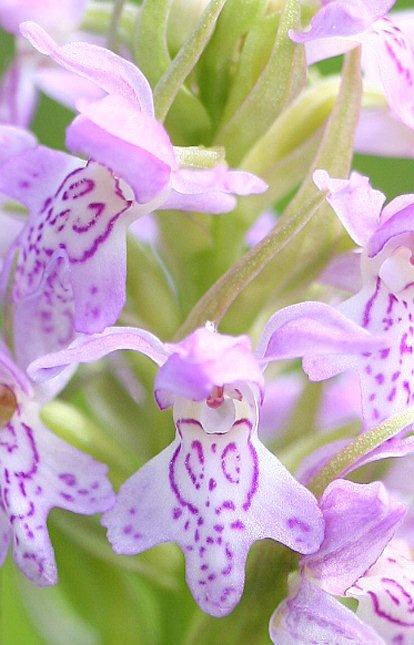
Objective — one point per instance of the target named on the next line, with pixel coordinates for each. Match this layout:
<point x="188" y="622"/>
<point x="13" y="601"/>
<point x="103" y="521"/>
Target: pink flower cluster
<point x="216" y="488"/>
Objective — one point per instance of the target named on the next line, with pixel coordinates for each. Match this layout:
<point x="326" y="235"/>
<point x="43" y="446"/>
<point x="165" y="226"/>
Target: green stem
<point x="173" y="79"/>
<point x="360" y="447"/>
<point x="112" y="39"/>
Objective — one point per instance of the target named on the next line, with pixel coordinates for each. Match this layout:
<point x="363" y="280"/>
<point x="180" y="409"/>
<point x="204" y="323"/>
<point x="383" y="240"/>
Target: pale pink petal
<point x="108" y="71"/>
<point x="360" y="520"/>
<point x="220" y="493"/>
<point x="313" y="328"/>
<point x="343" y="272"/>
<point x="211" y="191"/>
<point x="13" y="141"/>
<point x="394" y="56"/>
<point x="380" y="133"/>
<point x="39" y="472"/>
<point x="71" y="272"/>
<point x="10" y="225"/>
<point x="203" y="360"/>
<point x="279" y="400"/>
<point x="88" y="349"/>
<point x="386" y="598"/>
<point x="400" y="224"/>
<point x="146" y="229"/>
<point x="357" y="205"/>
<point x="5" y="534"/>
<point x="66" y="87"/>
<point x="309" y="615"/>
<point x="132" y="143"/>
<point x="18" y="94"/>
<point x="260" y="228"/>
<point x="341" y="402"/>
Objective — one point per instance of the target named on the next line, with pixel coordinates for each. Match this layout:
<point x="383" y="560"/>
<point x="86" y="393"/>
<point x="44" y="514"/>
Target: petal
<point x="5" y="534"/>
<point x="88" y="349"/>
<point x="11" y="226"/>
<point x="385" y="373"/>
<point x="13" y="141"/>
<point x="10" y="373"/>
<point x="313" y="328"/>
<point x="214" y="495"/>
<point x="279" y="401"/>
<point x="337" y="18"/>
<point x="71" y="271"/>
<point x="398" y="224"/>
<point x="343" y="272"/>
<point x="360" y="520"/>
<point x="386" y="599"/>
<point x="49" y="13"/>
<point x="18" y="94"/>
<point x="110" y="72"/>
<point x="338" y="26"/>
<point x="211" y="191"/>
<point x="38" y="472"/>
<point x="203" y="360"/>
<point x="260" y="228"/>
<point x="132" y="143"/>
<point x="341" y="402"/>
<point x="309" y="615"/>
<point x="30" y="177"/>
<point x="394" y="57"/>
<point x="66" y="87"/>
<point x="381" y="134"/>
<point x="357" y="205"/>
<point x="146" y="229"/>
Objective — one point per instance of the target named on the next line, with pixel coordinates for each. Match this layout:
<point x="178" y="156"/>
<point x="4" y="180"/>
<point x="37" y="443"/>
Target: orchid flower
<point x="216" y="489"/>
<point x="39" y="471"/>
<point x="387" y="62"/>
<point x="69" y="273"/>
<point x="71" y="267"/>
<point x="28" y="73"/>
<point x="121" y="132"/>
<point x="382" y="311"/>
<point x="360" y="522"/>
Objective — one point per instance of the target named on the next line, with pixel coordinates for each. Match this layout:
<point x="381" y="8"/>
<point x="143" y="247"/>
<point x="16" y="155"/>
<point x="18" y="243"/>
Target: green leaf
<point x="188" y="122"/>
<point x="172" y="80"/>
<point x="215" y="69"/>
<point x="280" y="81"/>
<point x="254" y="56"/>
<point x="150" y="40"/>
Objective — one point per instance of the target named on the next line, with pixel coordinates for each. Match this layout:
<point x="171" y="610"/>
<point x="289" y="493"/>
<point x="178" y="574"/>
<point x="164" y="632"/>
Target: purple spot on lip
<point x="177" y="512"/>
<point x="295" y="522"/>
<point x="212" y="484"/>
<point x="68" y="478"/>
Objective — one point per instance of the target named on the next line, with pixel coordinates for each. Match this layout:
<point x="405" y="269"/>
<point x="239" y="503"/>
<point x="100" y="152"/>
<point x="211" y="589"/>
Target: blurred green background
<point x="143" y="600"/>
